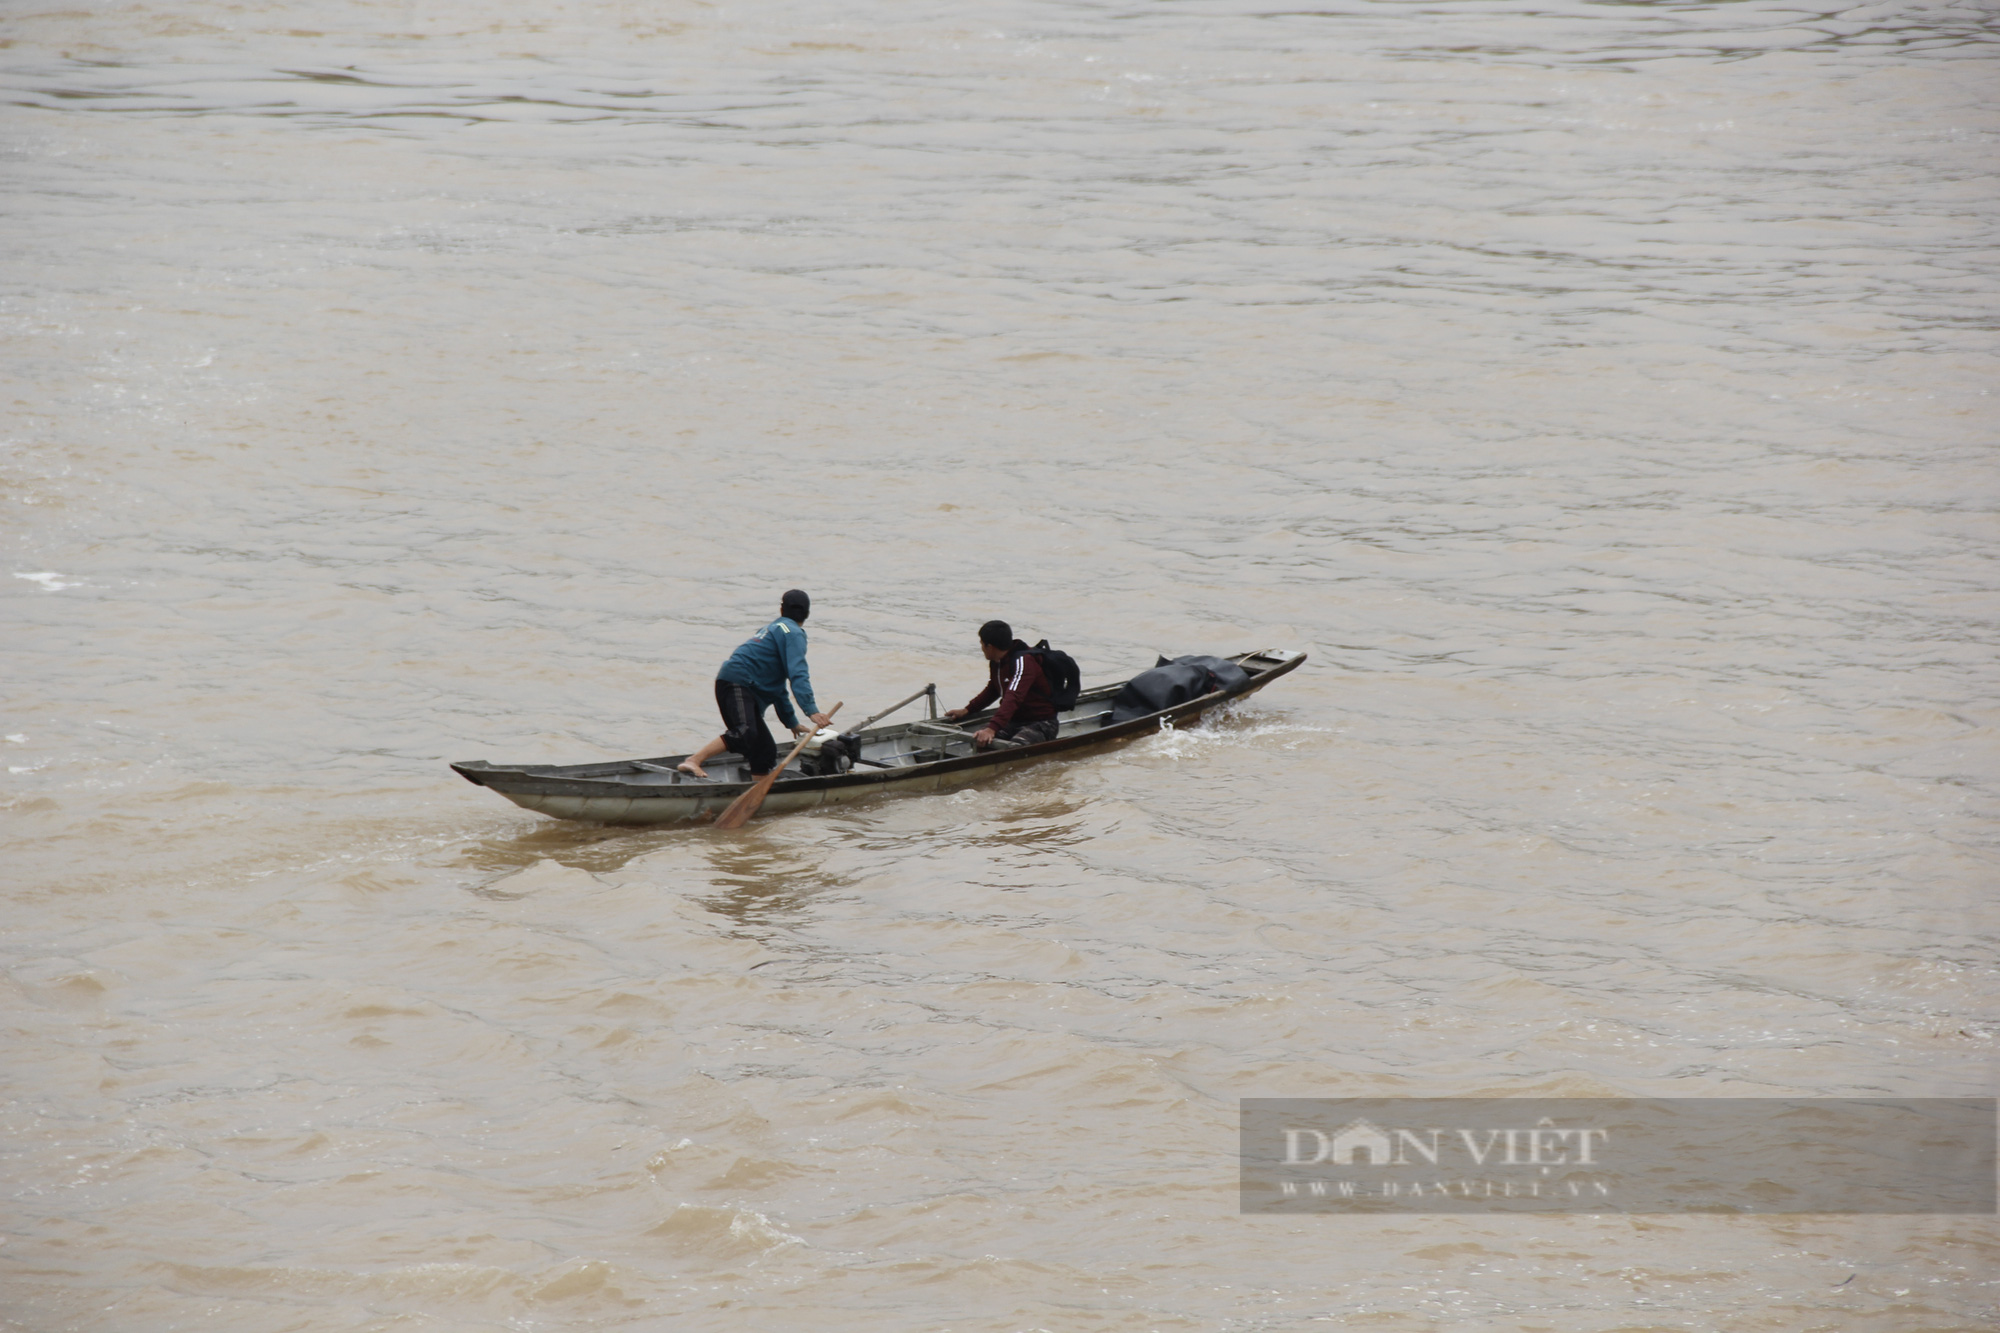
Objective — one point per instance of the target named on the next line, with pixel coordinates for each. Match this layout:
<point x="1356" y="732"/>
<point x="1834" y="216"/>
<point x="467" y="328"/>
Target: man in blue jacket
<point x="753" y="679"/>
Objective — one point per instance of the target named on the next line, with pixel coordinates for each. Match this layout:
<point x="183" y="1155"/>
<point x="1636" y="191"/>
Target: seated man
<point x="753" y="679"/>
<point x="1027" y="711"/>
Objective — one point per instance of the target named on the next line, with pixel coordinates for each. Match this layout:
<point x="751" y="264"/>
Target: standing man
<point x="753" y="679"/>
<point x="1027" y="711"/>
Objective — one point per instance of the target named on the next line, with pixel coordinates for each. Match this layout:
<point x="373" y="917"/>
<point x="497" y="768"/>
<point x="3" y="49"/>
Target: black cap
<point x="796" y="605"/>
<point x="997" y="633"/>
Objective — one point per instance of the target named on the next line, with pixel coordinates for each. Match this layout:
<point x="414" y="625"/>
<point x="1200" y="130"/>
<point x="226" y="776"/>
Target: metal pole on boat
<point x="931" y="690"/>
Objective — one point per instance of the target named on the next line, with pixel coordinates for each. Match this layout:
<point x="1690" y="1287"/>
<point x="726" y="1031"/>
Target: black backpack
<point x="1063" y="677"/>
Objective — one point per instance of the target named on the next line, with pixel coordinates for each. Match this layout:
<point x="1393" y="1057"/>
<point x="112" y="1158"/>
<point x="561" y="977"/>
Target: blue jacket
<point x="769" y="658"/>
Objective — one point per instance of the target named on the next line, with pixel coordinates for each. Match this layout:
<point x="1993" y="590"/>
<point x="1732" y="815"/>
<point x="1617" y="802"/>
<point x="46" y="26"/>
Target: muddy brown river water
<point x="1601" y="393"/>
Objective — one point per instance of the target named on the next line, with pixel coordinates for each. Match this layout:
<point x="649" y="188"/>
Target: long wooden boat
<point x="918" y="756"/>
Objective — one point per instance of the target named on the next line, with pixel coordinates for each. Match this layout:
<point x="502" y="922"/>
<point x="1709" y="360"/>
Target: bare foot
<point x="692" y="769"/>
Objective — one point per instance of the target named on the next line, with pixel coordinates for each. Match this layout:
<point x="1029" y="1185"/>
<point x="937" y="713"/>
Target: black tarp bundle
<point x="1175" y="682"/>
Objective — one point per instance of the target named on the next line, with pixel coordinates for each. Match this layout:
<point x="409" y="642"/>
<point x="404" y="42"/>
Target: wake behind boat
<point x="928" y="754"/>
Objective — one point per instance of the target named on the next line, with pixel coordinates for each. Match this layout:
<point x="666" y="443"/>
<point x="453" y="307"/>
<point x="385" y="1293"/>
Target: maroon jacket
<point x="1018" y="682"/>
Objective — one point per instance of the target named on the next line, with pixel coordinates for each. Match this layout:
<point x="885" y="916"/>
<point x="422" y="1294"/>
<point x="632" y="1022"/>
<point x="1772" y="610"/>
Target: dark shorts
<point x="1028" y="732"/>
<point x="743" y="728"/>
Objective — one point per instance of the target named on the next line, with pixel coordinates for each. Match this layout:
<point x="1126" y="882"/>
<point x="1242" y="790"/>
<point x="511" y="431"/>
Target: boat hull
<point x="616" y="809"/>
<point x="642" y="792"/>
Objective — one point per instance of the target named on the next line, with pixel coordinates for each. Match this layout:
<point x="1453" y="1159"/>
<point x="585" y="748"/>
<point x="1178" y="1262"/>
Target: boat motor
<point x="826" y="754"/>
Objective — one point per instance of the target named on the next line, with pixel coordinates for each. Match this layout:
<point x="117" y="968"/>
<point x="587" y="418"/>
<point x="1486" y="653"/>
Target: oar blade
<point x="739" y="811"/>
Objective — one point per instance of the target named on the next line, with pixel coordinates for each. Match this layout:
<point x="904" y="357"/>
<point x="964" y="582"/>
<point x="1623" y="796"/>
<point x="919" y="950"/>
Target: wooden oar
<point x="744" y="806"/>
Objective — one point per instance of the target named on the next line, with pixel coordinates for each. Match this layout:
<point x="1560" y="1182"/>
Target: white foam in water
<point x="49" y="579"/>
<point x="1230" y="727"/>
